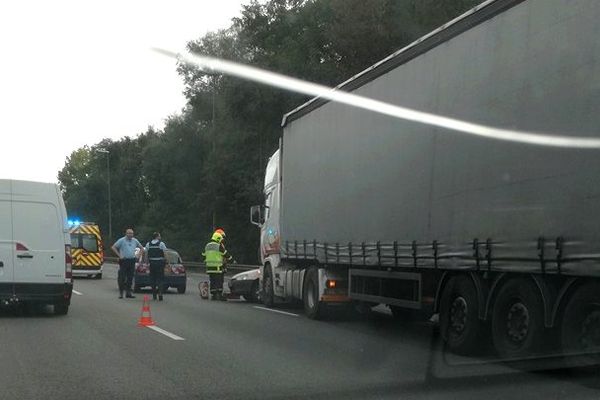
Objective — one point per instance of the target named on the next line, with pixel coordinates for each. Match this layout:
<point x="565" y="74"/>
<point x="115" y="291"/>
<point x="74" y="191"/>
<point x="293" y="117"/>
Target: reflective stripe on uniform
<point x="213" y="258"/>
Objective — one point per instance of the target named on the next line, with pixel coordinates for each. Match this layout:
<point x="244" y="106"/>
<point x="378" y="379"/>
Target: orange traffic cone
<point x="146" y="317"/>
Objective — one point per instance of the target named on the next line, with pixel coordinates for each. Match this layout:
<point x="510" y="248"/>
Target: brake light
<point x="142" y="269"/>
<point x="178" y="269"/>
<point x="68" y="262"/>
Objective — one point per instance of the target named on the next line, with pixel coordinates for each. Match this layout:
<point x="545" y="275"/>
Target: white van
<point x="35" y="250"/>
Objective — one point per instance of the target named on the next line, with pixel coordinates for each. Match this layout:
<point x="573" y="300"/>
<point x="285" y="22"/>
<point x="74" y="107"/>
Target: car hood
<point x="251" y="275"/>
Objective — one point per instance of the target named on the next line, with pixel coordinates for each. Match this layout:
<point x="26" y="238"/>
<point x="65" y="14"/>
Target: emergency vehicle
<point x="87" y="250"/>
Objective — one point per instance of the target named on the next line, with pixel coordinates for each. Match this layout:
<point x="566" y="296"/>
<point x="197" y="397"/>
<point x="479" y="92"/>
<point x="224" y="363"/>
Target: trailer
<point x="500" y="238"/>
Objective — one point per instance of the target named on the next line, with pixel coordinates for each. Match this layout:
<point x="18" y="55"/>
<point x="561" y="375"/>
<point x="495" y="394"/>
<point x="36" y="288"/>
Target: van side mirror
<point x="257" y="215"/>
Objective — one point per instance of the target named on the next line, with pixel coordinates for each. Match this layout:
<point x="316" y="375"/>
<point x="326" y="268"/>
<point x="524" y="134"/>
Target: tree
<point x="205" y="168"/>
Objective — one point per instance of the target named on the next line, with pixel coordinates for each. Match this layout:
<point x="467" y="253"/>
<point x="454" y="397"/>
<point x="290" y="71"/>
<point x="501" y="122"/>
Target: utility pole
<point x="104" y="151"/>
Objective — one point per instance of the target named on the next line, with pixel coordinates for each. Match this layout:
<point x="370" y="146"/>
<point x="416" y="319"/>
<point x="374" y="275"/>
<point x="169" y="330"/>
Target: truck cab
<point x="315" y="285"/>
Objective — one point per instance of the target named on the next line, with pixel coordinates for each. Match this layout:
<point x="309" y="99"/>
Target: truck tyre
<point x="253" y="295"/>
<point x="518" y="319"/>
<point x="460" y="325"/>
<point x="268" y="297"/>
<point x="580" y="326"/>
<point x="314" y="308"/>
<point x="61" y="308"/>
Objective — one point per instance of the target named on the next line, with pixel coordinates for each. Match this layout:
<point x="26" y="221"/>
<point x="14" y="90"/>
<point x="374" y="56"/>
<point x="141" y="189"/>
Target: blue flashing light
<point x="76" y="222"/>
<point x="70" y="222"/>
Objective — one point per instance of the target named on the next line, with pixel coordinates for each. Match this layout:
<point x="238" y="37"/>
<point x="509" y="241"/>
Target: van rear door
<point x="39" y="235"/>
<point x="6" y="241"/>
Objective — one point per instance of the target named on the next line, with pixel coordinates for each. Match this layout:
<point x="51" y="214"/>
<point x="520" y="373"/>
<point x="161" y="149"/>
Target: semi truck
<point x="500" y="239"/>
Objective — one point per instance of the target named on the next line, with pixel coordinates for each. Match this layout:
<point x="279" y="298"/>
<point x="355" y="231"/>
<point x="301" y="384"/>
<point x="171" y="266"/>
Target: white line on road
<point x="166" y="333"/>
<point x="277" y="311"/>
<point x="77" y="293"/>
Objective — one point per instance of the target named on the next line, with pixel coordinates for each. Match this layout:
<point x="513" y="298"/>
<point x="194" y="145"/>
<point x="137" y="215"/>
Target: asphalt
<point x="234" y="350"/>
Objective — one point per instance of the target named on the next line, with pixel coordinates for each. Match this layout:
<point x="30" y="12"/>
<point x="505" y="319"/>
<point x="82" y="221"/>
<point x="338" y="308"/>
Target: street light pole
<point x="101" y="150"/>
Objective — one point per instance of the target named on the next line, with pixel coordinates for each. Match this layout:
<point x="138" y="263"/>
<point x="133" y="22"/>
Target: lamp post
<point x="104" y="151"/>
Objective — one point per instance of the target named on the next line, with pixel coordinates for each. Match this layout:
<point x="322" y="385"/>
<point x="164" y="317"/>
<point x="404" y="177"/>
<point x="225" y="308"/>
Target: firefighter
<point x="215" y="260"/>
<point x="226" y="255"/>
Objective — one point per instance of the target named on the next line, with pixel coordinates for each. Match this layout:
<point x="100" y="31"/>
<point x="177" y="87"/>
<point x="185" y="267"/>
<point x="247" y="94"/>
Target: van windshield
<point x="89" y="242"/>
<point x="86" y="242"/>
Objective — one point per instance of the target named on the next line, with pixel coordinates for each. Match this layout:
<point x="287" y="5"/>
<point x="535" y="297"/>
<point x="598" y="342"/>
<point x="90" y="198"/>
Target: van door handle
<point x="25" y="256"/>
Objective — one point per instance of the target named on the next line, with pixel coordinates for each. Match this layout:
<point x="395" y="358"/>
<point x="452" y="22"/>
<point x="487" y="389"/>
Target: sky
<point x="75" y="72"/>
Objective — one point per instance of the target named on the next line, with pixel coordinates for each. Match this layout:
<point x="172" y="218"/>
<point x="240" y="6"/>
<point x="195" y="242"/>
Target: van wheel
<point x="61" y="308"/>
<point x="580" y="326"/>
<point x="98" y="276"/>
<point x="518" y="319"/>
<point x="181" y="289"/>
<point x="314" y="308"/>
<point x="460" y="326"/>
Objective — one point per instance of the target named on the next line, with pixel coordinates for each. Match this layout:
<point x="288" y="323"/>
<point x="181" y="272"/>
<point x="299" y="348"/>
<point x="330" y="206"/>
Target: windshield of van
<point x="84" y="241"/>
<point x="89" y="242"/>
<point x="75" y="240"/>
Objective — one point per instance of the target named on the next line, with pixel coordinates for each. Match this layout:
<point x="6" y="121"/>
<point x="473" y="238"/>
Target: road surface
<point x="237" y="350"/>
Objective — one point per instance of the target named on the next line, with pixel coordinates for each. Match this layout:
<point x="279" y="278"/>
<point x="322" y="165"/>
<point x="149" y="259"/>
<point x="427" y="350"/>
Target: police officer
<point x="214" y="259"/>
<point x="124" y="248"/>
<point x="157" y="258"/>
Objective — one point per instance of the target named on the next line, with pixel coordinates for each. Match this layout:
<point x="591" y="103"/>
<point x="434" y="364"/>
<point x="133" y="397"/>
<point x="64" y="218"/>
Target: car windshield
<point x="406" y="192"/>
<point x="173" y="257"/>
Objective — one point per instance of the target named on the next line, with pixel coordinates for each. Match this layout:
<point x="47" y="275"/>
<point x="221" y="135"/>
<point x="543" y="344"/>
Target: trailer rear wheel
<point x="580" y="327"/>
<point x="314" y="308"/>
<point x="460" y="326"/>
<point x="518" y="319"/>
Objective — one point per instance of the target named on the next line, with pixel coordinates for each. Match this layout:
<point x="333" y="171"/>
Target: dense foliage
<point x="205" y="168"/>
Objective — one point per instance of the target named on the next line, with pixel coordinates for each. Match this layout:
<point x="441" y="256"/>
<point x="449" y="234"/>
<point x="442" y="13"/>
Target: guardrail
<point x="201" y="267"/>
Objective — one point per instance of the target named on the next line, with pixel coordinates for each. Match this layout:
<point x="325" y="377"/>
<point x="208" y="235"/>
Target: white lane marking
<point x="277" y="311"/>
<point x="166" y="333"/>
<point x="77" y="293"/>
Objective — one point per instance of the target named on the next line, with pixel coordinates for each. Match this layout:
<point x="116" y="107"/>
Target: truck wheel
<point x="61" y="308"/>
<point x="314" y="308"/>
<point x="460" y="326"/>
<point x="517" y="319"/>
<point x="580" y="327"/>
<point x="268" y="297"/>
<point x="254" y="294"/>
